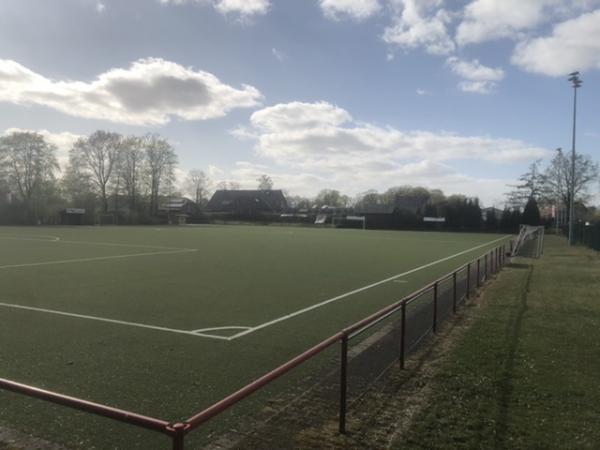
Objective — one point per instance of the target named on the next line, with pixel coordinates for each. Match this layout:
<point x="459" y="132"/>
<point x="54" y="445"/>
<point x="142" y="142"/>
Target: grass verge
<point x="525" y="373"/>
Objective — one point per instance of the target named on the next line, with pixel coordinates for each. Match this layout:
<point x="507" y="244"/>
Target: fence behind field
<point x="366" y="350"/>
<point x="588" y="235"/>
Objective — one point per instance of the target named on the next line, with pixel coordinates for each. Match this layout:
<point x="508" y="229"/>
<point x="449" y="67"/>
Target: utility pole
<point x="576" y="82"/>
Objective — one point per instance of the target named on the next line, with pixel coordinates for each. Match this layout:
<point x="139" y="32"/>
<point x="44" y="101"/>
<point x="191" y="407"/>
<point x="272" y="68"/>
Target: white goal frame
<point x="527" y="233"/>
<point x="335" y="220"/>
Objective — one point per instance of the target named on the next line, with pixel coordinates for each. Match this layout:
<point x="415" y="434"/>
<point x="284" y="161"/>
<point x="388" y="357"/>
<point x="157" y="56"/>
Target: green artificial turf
<point x="525" y="375"/>
<point x="184" y="278"/>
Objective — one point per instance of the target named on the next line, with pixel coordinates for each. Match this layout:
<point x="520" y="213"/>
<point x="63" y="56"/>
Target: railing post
<point x="478" y="273"/>
<point x="435" y="299"/>
<point x="485" y="267"/>
<point x="179" y="430"/>
<point x="343" y="383"/>
<point x="469" y="280"/>
<point x="495" y="256"/>
<point x="454" y="292"/>
<point x="498" y="259"/>
<point x="403" y="335"/>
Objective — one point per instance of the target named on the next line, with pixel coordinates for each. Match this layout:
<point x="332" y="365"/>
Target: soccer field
<point x="165" y="321"/>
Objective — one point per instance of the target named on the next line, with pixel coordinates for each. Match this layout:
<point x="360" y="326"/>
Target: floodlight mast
<point x="576" y="82"/>
<point x="558" y="199"/>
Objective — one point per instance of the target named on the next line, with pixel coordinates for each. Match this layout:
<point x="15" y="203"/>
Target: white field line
<point x="48" y="238"/>
<point x="95" y="258"/>
<point x="201" y="330"/>
<point x="112" y="244"/>
<point x="361" y="289"/>
<point x="38" y="237"/>
<point x="113" y="321"/>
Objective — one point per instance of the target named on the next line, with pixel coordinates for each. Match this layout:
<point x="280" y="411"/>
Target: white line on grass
<point x="113" y="321"/>
<point x="201" y="330"/>
<point x="112" y="244"/>
<point x="37" y="237"/>
<point x="361" y="289"/>
<point x="47" y="238"/>
<point x="95" y="258"/>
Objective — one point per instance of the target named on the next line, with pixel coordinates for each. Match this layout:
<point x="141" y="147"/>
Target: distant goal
<point x="349" y="222"/>
<point x="529" y="242"/>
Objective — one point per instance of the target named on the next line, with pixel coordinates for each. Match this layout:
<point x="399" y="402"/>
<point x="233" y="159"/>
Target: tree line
<point x="105" y="171"/>
<point x="108" y="172"/>
<point x="547" y="185"/>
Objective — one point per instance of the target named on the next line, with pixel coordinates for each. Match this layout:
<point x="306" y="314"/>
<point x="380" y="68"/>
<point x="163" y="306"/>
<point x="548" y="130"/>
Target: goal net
<point x="106" y="219"/>
<point x="529" y="242"/>
<point x="349" y="222"/>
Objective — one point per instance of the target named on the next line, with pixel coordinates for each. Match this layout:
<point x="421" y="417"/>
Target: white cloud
<point x="474" y="70"/>
<point x="486" y="20"/>
<point x="322" y="134"/>
<point x="477" y="78"/>
<point x="420" y="91"/>
<point x="149" y="92"/>
<point x="242" y="9"/>
<point x="323" y="140"/>
<point x="433" y="175"/>
<point x="245" y="8"/>
<point x="280" y="55"/>
<point x="62" y="140"/>
<point x="353" y="9"/>
<point x="573" y="45"/>
<point x="100" y="7"/>
<point x="420" y="23"/>
<point x="306" y="147"/>
<point x="477" y="87"/>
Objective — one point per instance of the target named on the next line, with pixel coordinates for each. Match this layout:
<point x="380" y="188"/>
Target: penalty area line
<point x="114" y="321"/>
<point x="361" y="289"/>
<point x="95" y="258"/>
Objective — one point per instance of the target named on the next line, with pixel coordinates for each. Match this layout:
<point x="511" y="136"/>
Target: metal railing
<point x="481" y="268"/>
<point x="588" y="235"/>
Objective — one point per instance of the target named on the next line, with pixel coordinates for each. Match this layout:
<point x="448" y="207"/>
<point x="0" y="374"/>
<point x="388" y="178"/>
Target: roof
<point x="247" y="200"/>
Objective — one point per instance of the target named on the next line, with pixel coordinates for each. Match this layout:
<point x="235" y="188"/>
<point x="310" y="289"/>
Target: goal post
<point x="349" y="222"/>
<point x="529" y="242"/>
<point x="106" y="219"/>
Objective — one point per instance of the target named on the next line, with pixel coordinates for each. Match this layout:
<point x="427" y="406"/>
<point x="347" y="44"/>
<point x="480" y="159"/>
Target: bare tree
<point x="160" y="163"/>
<point x="530" y="185"/>
<point x="332" y="198"/>
<point x="265" y="183"/>
<point x="556" y="179"/>
<point x="29" y="164"/>
<point x="132" y="163"/>
<point x="98" y="155"/>
<point x="198" y="183"/>
<point x="228" y="186"/>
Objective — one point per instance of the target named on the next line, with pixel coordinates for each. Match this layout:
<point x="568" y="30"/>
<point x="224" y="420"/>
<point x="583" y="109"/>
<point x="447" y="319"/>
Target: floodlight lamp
<point x="573" y="74"/>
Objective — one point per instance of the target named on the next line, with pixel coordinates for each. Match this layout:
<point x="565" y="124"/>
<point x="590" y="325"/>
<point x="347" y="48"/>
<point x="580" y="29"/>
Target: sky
<point x="343" y="94"/>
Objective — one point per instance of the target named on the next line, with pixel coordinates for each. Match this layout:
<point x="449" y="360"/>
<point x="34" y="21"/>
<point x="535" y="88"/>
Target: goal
<point x="349" y="222"/>
<point x="106" y="219"/>
<point x="529" y="242"/>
